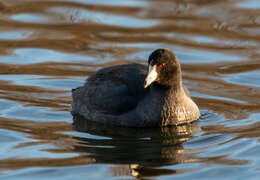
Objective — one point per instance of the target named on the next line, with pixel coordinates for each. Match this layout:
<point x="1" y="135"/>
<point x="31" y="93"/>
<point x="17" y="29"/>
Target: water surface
<point x="49" y="47"/>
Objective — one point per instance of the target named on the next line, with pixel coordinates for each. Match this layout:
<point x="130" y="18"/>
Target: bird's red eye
<point x="162" y="65"/>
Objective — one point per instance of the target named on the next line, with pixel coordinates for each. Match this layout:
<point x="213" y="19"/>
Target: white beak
<point x="151" y="76"/>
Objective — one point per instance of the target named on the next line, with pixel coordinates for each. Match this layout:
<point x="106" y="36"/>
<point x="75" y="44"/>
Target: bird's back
<point x="110" y="91"/>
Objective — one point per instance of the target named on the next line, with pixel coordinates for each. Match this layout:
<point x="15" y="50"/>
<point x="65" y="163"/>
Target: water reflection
<point x="142" y="149"/>
<point x="14" y="35"/>
<point x="33" y="18"/>
<point x="254" y="4"/>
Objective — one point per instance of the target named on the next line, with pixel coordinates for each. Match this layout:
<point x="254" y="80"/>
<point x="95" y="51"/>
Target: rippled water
<point x="49" y="47"/>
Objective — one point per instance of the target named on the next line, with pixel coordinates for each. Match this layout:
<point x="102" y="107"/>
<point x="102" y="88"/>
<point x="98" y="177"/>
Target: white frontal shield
<point x="151" y="76"/>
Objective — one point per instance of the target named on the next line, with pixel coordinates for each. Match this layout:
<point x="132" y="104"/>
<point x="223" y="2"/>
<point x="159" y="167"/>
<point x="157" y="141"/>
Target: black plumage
<point x="116" y="95"/>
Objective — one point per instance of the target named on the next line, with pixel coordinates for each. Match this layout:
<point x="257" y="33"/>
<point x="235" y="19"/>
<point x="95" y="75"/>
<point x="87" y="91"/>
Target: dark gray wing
<point x="113" y="90"/>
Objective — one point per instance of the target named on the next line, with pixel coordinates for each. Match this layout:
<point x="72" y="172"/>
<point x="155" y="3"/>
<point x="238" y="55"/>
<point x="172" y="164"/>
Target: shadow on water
<point x="142" y="149"/>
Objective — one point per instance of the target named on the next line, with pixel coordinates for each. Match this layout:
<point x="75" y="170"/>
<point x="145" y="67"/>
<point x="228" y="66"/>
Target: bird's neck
<point x="170" y="95"/>
<point x="174" y="88"/>
<point x="172" y="80"/>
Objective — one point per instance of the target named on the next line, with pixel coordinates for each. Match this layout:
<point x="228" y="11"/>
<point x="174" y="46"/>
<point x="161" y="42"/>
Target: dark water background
<point x="49" y="47"/>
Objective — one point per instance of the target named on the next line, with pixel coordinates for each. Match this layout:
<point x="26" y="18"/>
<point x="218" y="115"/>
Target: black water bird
<point x="129" y="95"/>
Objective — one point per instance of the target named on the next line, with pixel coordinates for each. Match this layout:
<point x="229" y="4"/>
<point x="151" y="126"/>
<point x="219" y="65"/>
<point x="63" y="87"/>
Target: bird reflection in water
<point x="135" y="151"/>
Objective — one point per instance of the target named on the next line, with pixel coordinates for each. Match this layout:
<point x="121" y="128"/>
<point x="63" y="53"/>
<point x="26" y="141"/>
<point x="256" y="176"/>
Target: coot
<point x="129" y="95"/>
